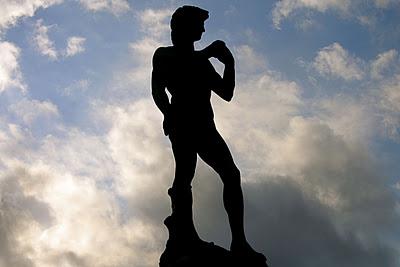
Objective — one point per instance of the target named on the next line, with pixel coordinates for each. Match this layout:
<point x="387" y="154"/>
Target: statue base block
<point x="185" y="248"/>
<point x="204" y="255"/>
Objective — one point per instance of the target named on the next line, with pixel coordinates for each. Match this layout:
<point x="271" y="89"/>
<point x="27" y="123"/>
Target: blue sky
<point x="314" y="128"/>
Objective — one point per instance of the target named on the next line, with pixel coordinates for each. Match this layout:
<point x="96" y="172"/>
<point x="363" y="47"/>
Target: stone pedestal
<point x="185" y="249"/>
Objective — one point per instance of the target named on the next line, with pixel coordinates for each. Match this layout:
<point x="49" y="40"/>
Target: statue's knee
<point x="181" y="198"/>
<point x="236" y="172"/>
<point x="183" y="175"/>
<point x="178" y="190"/>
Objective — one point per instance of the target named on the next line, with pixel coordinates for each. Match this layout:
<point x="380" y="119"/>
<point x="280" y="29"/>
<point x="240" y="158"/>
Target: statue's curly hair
<point x="183" y="19"/>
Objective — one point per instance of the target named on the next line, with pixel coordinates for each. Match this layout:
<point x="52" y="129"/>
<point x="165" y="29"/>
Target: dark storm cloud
<point x="291" y="227"/>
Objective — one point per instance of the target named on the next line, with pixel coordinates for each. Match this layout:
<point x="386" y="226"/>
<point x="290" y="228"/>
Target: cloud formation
<point x="75" y="45"/>
<point x="155" y="21"/>
<point x="389" y="103"/>
<point x="284" y="8"/>
<point x="46" y="46"/>
<point x="115" y="6"/>
<point x="42" y="42"/>
<point x="10" y="73"/>
<point x="357" y="10"/>
<point x="12" y="11"/>
<point x="59" y="204"/>
<point x="375" y="112"/>
<point x="154" y="27"/>
<point x="335" y="61"/>
<point x="382" y="62"/>
<point x="29" y="110"/>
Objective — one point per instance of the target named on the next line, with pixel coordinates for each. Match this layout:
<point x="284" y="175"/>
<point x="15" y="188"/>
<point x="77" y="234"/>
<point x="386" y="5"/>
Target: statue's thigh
<point x="185" y="157"/>
<point x="215" y="152"/>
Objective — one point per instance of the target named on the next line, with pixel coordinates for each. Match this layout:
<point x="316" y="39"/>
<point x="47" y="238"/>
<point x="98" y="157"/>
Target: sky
<point x="314" y="128"/>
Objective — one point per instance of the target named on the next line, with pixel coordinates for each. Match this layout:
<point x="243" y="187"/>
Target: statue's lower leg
<point x="183" y="238"/>
<point x="180" y="223"/>
<point x="234" y="206"/>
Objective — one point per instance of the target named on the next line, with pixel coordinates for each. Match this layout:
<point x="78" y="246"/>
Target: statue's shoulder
<point x="162" y="53"/>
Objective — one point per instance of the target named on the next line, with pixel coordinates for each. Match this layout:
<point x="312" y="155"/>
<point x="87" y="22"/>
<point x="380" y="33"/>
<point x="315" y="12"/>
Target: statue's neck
<point x="185" y="47"/>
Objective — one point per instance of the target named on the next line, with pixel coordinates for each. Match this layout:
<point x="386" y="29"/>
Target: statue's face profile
<point x="198" y="29"/>
<point x="192" y="32"/>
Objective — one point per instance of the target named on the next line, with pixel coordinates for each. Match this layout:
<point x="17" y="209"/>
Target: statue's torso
<point x="188" y="80"/>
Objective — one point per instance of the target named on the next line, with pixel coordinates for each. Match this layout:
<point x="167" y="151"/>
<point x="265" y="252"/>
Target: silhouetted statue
<point x="189" y="77"/>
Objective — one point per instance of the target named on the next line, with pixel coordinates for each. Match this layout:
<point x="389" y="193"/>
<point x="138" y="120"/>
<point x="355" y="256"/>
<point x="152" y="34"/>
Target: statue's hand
<point x="167" y="125"/>
<point x="219" y="50"/>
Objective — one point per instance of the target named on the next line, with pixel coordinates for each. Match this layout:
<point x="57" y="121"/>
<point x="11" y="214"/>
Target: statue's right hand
<point x="166" y="125"/>
<point x="220" y="51"/>
<point x="169" y="123"/>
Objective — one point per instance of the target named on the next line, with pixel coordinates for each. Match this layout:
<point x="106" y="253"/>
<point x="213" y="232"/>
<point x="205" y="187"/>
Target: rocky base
<point x="205" y="255"/>
<point x="185" y="248"/>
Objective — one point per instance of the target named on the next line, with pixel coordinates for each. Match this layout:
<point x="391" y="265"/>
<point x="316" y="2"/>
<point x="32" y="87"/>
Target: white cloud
<point x="144" y="49"/>
<point x="42" y="41"/>
<point x="139" y="170"/>
<point x="12" y="11"/>
<point x="31" y="110"/>
<point x="155" y="22"/>
<point x="352" y="119"/>
<point x="382" y="62"/>
<point x="389" y="103"/>
<point x="375" y="113"/>
<point x="78" y="153"/>
<point x="284" y="8"/>
<point x="115" y="6"/>
<point x="10" y="73"/>
<point x="75" y="45"/>
<point x="142" y="52"/>
<point x="45" y="46"/>
<point x="249" y="61"/>
<point x="359" y="10"/>
<point x="335" y="61"/>
<point x="385" y="3"/>
<point x="59" y="205"/>
<point x="15" y="142"/>
<point x="76" y="87"/>
<point x="50" y="218"/>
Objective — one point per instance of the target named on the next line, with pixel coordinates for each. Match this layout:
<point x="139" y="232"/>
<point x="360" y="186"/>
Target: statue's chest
<point x="188" y="71"/>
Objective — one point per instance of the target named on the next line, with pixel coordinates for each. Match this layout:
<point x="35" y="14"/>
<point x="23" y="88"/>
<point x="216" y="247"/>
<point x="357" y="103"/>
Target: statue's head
<point x="187" y="24"/>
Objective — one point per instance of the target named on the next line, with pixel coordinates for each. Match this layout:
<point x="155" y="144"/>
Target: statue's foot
<point x="180" y="249"/>
<point x="186" y="237"/>
<point x="246" y="253"/>
<point x="200" y="244"/>
<point x="190" y="244"/>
